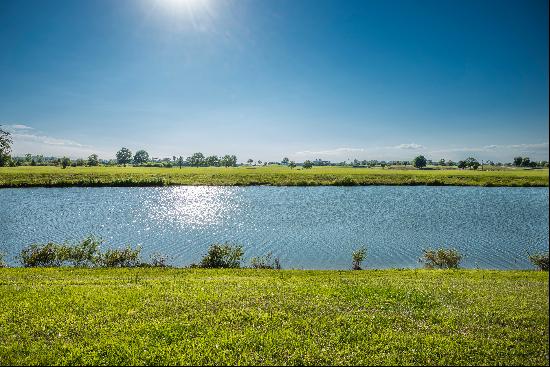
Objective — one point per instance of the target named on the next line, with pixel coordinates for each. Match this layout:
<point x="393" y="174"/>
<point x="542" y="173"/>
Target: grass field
<point x="229" y="317"/>
<point x="270" y="175"/>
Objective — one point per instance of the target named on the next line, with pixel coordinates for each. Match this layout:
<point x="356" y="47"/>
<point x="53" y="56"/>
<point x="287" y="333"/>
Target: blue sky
<point x="266" y="79"/>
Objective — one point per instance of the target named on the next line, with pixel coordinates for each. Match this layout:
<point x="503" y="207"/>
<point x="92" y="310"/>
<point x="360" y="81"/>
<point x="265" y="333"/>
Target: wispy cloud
<point x="346" y="150"/>
<point x="500" y="152"/>
<point x="411" y="146"/>
<point x="331" y="152"/>
<point x="12" y="128"/>
<point x="48" y="140"/>
<point x="529" y="146"/>
<point x="537" y="147"/>
<point x="26" y="139"/>
<point x="20" y="127"/>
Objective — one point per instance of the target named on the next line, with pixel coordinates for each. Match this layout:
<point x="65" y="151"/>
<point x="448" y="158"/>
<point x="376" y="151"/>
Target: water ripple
<point x="307" y="227"/>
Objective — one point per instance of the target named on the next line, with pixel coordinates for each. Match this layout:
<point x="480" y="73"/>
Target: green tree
<point x="461" y="164"/>
<point x="212" y="161"/>
<point x="442" y="162"/>
<point x="518" y="161"/>
<point x="307" y="164"/>
<point x="228" y="160"/>
<point x="285" y="161"/>
<point x="124" y="156"/>
<point x="249" y="161"/>
<point x="180" y="161"/>
<point x="5" y="147"/>
<point x="357" y="258"/>
<point x="141" y="157"/>
<point x="525" y="162"/>
<point x="472" y="163"/>
<point x="65" y="162"/>
<point x="93" y="160"/>
<point x="419" y="162"/>
<point x="196" y="160"/>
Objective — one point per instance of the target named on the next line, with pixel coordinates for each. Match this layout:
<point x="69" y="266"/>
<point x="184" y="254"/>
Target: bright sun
<point x="184" y="15"/>
<point x="183" y="4"/>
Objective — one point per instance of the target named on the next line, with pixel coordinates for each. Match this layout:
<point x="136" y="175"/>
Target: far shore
<point x="51" y="176"/>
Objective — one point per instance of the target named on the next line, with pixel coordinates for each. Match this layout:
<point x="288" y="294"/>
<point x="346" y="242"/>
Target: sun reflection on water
<point x="195" y="206"/>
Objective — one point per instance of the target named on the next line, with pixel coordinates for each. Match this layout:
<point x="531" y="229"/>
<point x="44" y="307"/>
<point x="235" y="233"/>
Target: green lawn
<point x="197" y="316"/>
<point x="270" y="175"/>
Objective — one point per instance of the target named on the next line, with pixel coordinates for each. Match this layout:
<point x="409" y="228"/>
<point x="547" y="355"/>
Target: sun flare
<point x="179" y="14"/>
<point x="183" y="5"/>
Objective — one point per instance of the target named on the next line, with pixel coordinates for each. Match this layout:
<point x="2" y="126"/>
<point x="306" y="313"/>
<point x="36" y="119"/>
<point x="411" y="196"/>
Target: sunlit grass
<point x="270" y="175"/>
<point x="289" y="317"/>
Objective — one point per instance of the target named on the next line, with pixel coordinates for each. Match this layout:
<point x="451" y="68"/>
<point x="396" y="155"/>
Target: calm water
<point x="307" y="227"/>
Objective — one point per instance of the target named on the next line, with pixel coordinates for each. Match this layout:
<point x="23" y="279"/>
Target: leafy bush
<point x="441" y="258"/>
<point x="222" y="256"/>
<point x="48" y="255"/>
<point x="265" y="262"/>
<point x="2" y="262"/>
<point x="358" y="256"/>
<point x="85" y="254"/>
<point x="53" y="254"/>
<point x="121" y="258"/>
<point x="540" y="261"/>
<point x="159" y="260"/>
<point x="345" y="181"/>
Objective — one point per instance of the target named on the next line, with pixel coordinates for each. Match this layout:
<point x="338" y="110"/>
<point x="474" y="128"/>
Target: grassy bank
<point x="271" y="175"/>
<point x="186" y="316"/>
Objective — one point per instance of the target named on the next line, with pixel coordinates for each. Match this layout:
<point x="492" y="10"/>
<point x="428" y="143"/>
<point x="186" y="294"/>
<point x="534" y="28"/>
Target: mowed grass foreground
<point x="49" y="176"/>
<point x="290" y="317"/>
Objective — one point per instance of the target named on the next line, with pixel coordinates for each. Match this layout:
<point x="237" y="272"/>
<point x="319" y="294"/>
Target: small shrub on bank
<point x="159" y="260"/>
<point x="121" y="258"/>
<point x="357" y="258"/>
<point x="48" y="255"/>
<point x="540" y="261"/>
<point x="345" y="181"/>
<point x="441" y="258"/>
<point x="222" y="256"/>
<point x="265" y="262"/>
<point x="85" y="254"/>
<point x="2" y="262"/>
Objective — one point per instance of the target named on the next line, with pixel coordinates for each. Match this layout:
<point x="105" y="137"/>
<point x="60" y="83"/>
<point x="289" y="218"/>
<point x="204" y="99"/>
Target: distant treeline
<point x="141" y="158"/>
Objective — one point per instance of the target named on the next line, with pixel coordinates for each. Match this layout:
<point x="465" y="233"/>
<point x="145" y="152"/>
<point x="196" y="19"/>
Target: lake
<point x="307" y="227"/>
